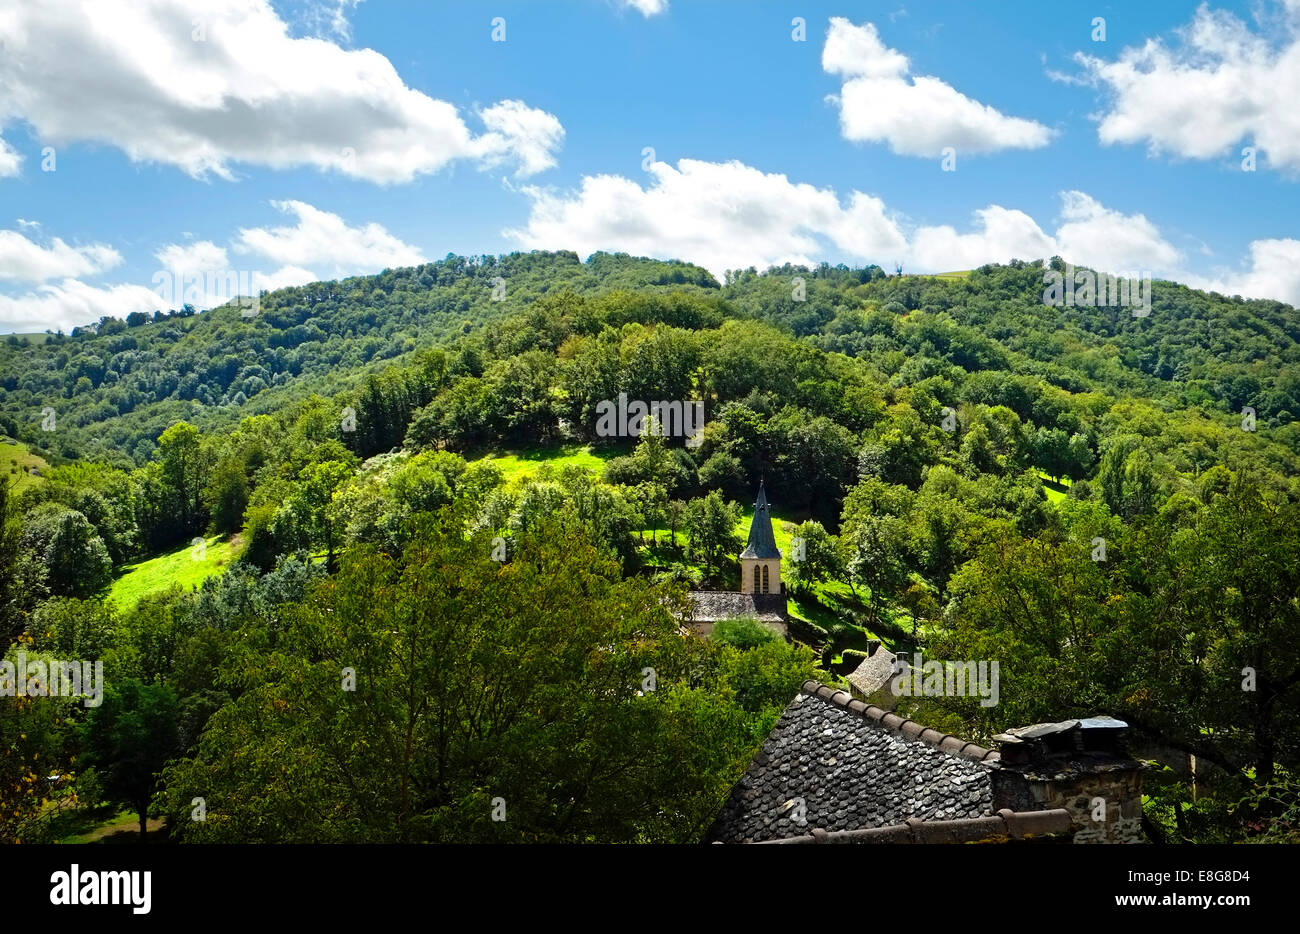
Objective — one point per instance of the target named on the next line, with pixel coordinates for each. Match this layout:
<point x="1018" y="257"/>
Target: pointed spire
<point x="762" y="543"/>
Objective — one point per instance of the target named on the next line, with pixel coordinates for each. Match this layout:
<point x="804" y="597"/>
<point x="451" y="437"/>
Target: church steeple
<point x="762" y="543"/>
<point x="760" y="562"/>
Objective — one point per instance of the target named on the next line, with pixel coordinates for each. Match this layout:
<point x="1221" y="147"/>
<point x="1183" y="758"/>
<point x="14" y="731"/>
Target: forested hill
<point x="115" y="387"/>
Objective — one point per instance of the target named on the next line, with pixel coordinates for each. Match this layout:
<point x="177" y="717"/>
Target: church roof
<point x="711" y="606"/>
<point x="852" y="767"/>
<point x="762" y="543"/>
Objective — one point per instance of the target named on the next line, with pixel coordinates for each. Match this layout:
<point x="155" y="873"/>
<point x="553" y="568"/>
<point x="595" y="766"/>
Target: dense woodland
<point x="951" y="450"/>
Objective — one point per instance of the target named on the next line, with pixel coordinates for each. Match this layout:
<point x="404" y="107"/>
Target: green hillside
<point x="19" y="467"/>
<point x="398" y="480"/>
<point x="187" y="567"/>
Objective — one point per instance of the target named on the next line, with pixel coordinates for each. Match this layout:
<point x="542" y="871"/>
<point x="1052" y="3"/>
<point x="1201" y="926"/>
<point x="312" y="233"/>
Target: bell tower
<point x="760" y="562"/>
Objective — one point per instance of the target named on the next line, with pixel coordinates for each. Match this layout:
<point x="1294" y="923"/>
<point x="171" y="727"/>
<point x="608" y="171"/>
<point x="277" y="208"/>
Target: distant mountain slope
<point x="1193" y="348"/>
<point x="115" y="389"/>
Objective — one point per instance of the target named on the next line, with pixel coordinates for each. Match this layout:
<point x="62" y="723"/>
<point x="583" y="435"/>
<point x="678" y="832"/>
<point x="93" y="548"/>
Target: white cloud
<point x="26" y="260"/>
<point x="202" y="274"/>
<point x="1274" y="273"/>
<point x="719" y="215"/>
<point x="206" y="84"/>
<point x="284" y="277"/>
<point x="857" y="51"/>
<point x="519" y="132"/>
<point x="199" y="257"/>
<point x="320" y="245"/>
<point x="11" y="161"/>
<point x="70" y="304"/>
<point x="916" y="115"/>
<point x="731" y="216"/>
<point x="1000" y="232"/>
<point x="324" y="239"/>
<point x="646" y="8"/>
<point x="1224" y="85"/>
<point x="1106" y="239"/>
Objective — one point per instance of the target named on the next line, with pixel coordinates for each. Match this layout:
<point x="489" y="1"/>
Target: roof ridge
<point x="904" y="727"/>
<point x="1015" y="825"/>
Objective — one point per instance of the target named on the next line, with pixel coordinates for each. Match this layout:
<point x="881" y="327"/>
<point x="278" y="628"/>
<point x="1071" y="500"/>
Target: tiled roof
<point x="710" y="606"/>
<point x="854" y="767"/>
<point x="762" y="543"/>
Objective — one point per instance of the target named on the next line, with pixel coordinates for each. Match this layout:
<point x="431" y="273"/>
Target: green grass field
<point x="1056" y="490"/>
<point x="526" y="462"/>
<point x="177" y="568"/>
<point x="16" y="459"/>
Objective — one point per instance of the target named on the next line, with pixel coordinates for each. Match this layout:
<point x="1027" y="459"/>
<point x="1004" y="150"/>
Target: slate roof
<point x="762" y="543"/>
<point x="855" y="767"/>
<point x="710" y="606"/>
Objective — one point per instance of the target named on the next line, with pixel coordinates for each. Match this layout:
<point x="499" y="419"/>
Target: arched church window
<point x="765" y="578"/>
<point x="756" y="579"/>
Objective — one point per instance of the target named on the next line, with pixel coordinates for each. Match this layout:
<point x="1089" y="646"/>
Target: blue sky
<point x="312" y="139"/>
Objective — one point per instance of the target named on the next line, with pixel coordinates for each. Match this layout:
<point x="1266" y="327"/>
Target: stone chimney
<point x="1079" y="765"/>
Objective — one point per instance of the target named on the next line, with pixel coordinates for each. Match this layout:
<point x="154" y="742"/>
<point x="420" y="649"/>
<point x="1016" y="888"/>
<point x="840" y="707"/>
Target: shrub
<point x="744" y="632"/>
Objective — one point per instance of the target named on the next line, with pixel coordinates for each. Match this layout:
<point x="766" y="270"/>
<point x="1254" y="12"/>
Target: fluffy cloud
<point x="646" y="8"/>
<point x="999" y="232"/>
<point x="1274" y="272"/>
<point x="203" y="84"/>
<point x="720" y="215"/>
<point x="729" y="216"/>
<point x="11" y="160"/>
<point x="323" y="239"/>
<point x="1222" y="86"/>
<point x="72" y="303"/>
<point x="320" y="245"/>
<point x="917" y="115"/>
<point x="527" y="136"/>
<point x="1106" y="239"/>
<point x="200" y="257"/>
<point x="26" y="260"/>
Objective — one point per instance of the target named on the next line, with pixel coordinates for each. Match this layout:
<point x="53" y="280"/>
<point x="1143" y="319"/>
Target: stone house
<point x="836" y="769"/>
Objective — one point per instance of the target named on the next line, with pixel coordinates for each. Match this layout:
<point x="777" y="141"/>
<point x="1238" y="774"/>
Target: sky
<point x="154" y="152"/>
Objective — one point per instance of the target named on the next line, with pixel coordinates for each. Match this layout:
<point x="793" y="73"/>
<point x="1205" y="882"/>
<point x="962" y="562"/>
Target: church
<point x="761" y="594"/>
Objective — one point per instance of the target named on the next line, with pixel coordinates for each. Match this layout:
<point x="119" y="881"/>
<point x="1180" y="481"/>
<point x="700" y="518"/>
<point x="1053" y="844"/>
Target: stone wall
<point x="1121" y="792"/>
